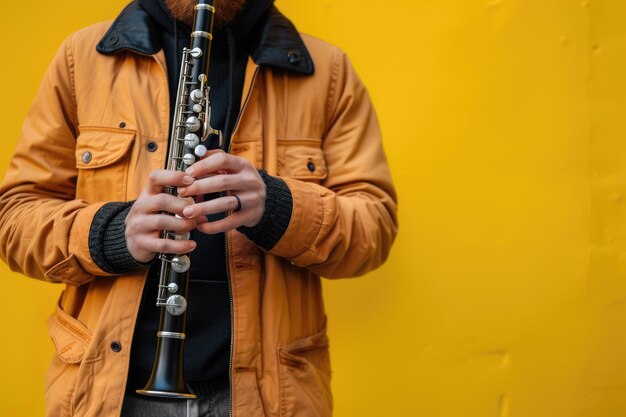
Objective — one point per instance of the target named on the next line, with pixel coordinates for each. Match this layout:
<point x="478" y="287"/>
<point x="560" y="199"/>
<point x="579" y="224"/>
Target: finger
<point x="214" y="184"/>
<point x="248" y="179"/>
<point x="168" y="222"/>
<point x="223" y="225"/>
<point x="161" y="178"/>
<point x="211" y="152"/>
<point x="217" y="205"/>
<point x="158" y="245"/>
<point x="165" y="203"/>
<point x="215" y="162"/>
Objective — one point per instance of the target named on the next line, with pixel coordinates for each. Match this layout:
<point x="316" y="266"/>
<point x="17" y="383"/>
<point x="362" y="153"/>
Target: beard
<point x="226" y="10"/>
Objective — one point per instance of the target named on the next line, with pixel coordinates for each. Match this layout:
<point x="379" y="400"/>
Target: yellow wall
<point x="505" y="293"/>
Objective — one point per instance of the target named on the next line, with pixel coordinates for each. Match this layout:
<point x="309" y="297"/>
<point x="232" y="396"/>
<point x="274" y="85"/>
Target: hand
<point x="221" y="172"/>
<point x="146" y="219"/>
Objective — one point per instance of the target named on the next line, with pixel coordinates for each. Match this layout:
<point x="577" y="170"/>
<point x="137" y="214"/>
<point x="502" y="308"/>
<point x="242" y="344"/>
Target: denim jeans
<point x="213" y="401"/>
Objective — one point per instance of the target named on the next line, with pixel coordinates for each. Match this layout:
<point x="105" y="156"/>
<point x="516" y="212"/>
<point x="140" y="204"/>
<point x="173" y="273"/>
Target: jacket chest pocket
<point x="102" y="159"/>
<point x="302" y="159"/>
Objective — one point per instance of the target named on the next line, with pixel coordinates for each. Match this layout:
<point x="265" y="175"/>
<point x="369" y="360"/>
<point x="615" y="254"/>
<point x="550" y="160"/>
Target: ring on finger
<point x="239" y="207"/>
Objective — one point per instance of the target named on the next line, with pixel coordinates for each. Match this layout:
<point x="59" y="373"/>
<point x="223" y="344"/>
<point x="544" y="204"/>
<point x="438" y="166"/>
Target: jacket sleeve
<point x="346" y="225"/>
<point x="44" y="230"/>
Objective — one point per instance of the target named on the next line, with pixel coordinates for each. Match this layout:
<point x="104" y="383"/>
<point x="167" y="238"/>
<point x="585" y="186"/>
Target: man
<point x="305" y="192"/>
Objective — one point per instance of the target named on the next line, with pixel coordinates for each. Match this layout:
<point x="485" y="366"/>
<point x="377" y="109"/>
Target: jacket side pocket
<point x="304" y="376"/>
<point x="71" y="339"/>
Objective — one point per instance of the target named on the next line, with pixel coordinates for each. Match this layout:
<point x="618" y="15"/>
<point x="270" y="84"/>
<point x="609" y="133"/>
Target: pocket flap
<point x="319" y="340"/>
<point x="99" y="147"/>
<point x="70" y="337"/>
<point x="302" y="162"/>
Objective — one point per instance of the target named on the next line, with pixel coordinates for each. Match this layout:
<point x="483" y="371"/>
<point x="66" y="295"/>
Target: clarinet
<point x="190" y="130"/>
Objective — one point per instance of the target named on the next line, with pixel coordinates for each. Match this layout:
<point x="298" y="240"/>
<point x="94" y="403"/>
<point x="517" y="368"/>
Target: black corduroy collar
<point x="278" y="45"/>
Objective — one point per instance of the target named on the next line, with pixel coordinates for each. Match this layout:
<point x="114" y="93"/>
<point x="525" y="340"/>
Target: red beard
<point x="226" y="10"/>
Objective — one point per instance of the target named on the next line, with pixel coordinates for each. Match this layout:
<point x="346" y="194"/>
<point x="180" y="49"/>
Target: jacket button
<point x="122" y="125"/>
<point x="293" y="58"/>
<point x="152" y="146"/>
<point x="116" y="346"/>
<point x="86" y="157"/>
<point x="311" y="166"/>
<point x="113" y="39"/>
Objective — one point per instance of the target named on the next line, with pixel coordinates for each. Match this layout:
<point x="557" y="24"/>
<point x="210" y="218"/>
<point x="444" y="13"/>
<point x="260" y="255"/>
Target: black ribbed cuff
<point x="107" y="240"/>
<point x="277" y="215"/>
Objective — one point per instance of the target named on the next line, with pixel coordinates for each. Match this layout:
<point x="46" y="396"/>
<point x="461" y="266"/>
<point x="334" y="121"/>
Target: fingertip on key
<point x="188" y="179"/>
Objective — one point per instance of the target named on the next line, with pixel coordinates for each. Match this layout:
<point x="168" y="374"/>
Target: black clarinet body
<point x="191" y="134"/>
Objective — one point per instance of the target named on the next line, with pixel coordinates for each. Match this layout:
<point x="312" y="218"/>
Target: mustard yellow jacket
<point x="343" y="221"/>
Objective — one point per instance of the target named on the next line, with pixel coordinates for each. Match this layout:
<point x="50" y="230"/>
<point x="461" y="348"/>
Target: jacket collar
<point x="279" y="44"/>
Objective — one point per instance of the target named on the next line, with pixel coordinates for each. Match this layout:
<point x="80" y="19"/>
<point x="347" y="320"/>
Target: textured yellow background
<point x="504" y="123"/>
